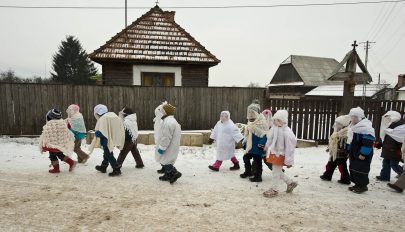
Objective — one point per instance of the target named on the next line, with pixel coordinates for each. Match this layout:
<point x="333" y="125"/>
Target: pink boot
<point x="215" y="166"/>
<point x="235" y="164"/>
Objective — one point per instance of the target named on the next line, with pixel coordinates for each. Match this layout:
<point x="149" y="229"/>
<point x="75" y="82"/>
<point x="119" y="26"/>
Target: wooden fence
<point x="314" y="119"/>
<point x="23" y="106"/>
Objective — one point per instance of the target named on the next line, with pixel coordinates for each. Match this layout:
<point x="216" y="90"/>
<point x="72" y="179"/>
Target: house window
<point x="157" y="79"/>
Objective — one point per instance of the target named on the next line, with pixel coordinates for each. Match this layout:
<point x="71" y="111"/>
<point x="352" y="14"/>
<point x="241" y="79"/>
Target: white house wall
<point x="138" y="69"/>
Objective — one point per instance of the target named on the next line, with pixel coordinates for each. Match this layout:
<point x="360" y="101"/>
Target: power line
<point x="385" y="20"/>
<point x="201" y="7"/>
<point x="375" y="21"/>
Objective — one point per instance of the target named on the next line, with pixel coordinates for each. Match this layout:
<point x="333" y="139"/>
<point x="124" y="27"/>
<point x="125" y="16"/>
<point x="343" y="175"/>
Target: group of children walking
<point x="353" y="138"/>
<point x="266" y="138"/>
<point x="61" y="137"/>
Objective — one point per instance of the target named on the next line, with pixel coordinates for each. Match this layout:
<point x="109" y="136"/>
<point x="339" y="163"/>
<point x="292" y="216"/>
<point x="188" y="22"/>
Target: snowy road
<point x="31" y="199"/>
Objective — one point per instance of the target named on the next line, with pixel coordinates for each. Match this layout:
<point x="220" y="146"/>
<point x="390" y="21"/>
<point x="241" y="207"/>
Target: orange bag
<point x="273" y="159"/>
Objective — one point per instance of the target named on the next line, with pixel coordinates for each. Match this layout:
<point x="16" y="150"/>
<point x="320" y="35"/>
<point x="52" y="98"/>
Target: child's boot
<point x="235" y="164"/>
<point x="291" y="186"/>
<point x="55" y="165"/>
<point x="71" y="163"/>
<point x="101" y="168"/>
<point x="215" y="166"/>
<point x="176" y="175"/>
<point x="270" y="193"/>
<point x="115" y="172"/>
<point x="256" y="178"/>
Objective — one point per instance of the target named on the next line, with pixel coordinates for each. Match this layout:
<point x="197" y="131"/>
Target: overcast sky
<point x="250" y="42"/>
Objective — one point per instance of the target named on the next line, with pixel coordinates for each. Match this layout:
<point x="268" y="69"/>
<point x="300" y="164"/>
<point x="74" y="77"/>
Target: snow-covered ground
<point x="31" y="199"/>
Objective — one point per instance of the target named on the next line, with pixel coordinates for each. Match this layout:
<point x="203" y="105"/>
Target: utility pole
<point x="367" y="46"/>
<point x="126" y="24"/>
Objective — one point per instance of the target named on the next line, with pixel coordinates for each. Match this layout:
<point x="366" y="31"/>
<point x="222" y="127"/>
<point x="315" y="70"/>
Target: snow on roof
<point x="155" y="37"/>
<point x="337" y="90"/>
<point x="401" y="89"/>
<point x="287" y="83"/>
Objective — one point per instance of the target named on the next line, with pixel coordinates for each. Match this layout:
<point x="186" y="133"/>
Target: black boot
<point x="359" y="190"/>
<point x="165" y="177"/>
<point x="174" y="177"/>
<point x="245" y="174"/>
<point x="235" y="167"/>
<point x="256" y="179"/>
<point x="115" y="172"/>
<point x="323" y="177"/>
<point x="101" y="168"/>
<point x="343" y="181"/>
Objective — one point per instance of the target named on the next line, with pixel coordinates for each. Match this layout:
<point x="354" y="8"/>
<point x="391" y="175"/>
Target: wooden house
<point x="298" y="75"/>
<point x="154" y="51"/>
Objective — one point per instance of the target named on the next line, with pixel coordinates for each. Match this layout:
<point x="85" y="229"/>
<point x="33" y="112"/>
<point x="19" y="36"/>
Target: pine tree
<point x="71" y="63"/>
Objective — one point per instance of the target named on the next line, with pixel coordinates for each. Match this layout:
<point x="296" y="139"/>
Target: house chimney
<point x="170" y="15"/>
<point x="401" y="80"/>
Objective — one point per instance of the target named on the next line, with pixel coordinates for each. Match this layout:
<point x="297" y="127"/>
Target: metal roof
<point x="337" y="90"/>
<point x="154" y="37"/>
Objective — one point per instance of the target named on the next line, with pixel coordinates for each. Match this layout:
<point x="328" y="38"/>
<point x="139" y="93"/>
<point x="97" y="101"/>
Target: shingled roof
<point x="154" y="38"/>
<point x="313" y="71"/>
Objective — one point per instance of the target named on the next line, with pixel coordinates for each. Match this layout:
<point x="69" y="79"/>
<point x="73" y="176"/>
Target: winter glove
<point x="378" y="144"/>
<point x="260" y="146"/>
<point x="210" y="141"/>
<point x="160" y="151"/>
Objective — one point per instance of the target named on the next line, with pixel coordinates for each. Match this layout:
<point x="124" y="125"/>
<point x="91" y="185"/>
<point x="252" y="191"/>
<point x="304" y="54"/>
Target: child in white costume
<point x="167" y="140"/>
<point x="280" y="149"/>
<point x="226" y="134"/>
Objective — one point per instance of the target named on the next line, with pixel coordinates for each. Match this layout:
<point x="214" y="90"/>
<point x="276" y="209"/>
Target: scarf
<point x="337" y="139"/>
<point x="259" y="127"/>
<point x="386" y="120"/>
<point x="277" y="146"/>
<point x="363" y="127"/>
<point x="76" y="122"/>
<point x="131" y="126"/>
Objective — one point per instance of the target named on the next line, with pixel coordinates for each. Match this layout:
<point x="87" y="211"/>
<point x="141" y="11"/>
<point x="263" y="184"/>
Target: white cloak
<point x="225" y="136"/>
<point x="168" y="136"/>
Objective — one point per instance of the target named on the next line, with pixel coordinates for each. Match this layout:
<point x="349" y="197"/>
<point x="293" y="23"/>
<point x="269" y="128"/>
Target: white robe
<point x="111" y="126"/>
<point x="285" y="143"/>
<point x="168" y="136"/>
<point x="225" y="136"/>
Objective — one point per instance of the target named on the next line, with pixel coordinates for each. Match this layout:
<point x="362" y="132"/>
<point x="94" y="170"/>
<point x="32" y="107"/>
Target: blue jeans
<point x="387" y="164"/>
<point x="108" y="158"/>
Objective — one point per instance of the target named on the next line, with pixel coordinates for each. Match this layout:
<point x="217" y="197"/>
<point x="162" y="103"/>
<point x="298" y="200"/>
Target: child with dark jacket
<point x="392" y="133"/>
<point x="360" y="140"/>
<point x="254" y="142"/>
<point x="337" y="151"/>
<point x="131" y="134"/>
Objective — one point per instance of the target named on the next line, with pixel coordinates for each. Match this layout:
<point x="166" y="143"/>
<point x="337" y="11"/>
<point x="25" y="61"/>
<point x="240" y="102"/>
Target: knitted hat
<point x="357" y="112"/>
<point x="169" y="109"/>
<point x="281" y="115"/>
<point x="254" y="106"/>
<point x="343" y="120"/>
<point x="100" y="109"/>
<point x="72" y="109"/>
<point x="53" y="114"/>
